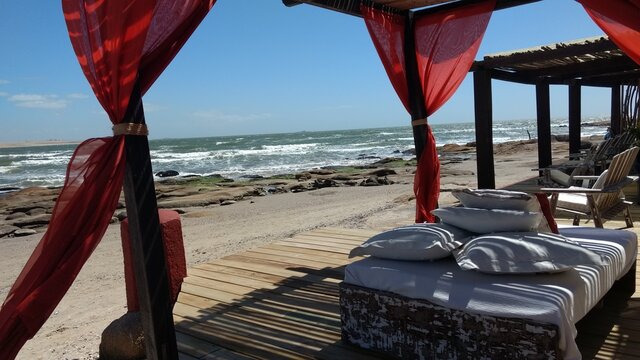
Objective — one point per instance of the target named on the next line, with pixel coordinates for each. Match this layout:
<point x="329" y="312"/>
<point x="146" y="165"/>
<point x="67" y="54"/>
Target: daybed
<point x="421" y="309"/>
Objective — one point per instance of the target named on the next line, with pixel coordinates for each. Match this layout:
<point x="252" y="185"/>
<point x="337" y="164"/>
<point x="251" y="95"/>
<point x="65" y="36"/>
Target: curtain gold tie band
<point x="419" y="122"/>
<point x="130" y="129"/>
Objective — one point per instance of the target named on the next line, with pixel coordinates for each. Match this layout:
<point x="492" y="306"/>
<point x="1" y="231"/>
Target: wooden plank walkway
<point x="280" y="301"/>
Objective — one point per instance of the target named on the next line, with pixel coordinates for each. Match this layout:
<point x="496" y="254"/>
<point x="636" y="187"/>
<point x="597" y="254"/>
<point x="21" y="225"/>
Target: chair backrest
<point x="618" y="171"/>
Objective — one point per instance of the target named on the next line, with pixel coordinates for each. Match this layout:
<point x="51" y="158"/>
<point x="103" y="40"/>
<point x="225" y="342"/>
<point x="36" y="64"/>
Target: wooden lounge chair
<point x="604" y="199"/>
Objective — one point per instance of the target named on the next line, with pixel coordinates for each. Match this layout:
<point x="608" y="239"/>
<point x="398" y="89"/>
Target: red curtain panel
<point x="387" y="33"/>
<point x="620" y="19"/>
<point x="446" y="44"/>
<point x="117" y="43"/>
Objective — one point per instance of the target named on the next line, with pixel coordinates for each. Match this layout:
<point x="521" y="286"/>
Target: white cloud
<point x="77" y="96"/>
<point x="217" y="115"/>
<point x="3" y="82"/>
<point x="38" y="101"/>
<point x="3" y="94"/>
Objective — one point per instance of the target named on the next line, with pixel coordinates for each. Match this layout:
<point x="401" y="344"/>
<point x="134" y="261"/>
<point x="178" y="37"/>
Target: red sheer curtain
<point x="620" y="19"/>
<point x="117" y="43"/>
<point x="387" y="33"/>
<point x="446" y="44"/>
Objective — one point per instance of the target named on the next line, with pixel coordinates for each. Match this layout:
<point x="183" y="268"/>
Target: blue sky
<point x="256" y="66"/>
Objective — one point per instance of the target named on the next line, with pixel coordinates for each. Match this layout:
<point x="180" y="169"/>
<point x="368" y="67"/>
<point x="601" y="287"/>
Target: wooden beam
<point x="567" y="72"/>
<point x="511" y="77"/>
<point x="349" y="7"/>
<point x="484" y="133"/>
<point x="146" y="242"/>
<point x="500" y="5"/>
<point x="616" y="110"/>
<point x="544" y="124"/>
<point x="575" y="118"/>
<point x="416" y="97"/>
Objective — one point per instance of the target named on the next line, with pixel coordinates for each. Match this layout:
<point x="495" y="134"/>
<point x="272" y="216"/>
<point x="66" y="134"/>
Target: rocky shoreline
<point x="28" y="211"/>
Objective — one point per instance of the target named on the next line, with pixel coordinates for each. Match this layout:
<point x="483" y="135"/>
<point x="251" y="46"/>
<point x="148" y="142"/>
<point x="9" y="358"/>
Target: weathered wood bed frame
<point x="407" y="328"/>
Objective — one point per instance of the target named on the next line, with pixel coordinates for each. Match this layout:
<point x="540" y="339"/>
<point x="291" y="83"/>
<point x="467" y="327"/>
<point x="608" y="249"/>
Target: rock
<point x="180" y="211"/>
<point x="303" y="176"/>
<point x="298" y="188"/>
<point x="562" y="138"/>
<point x="123" y="339"/>
<point x="24" y="232"/>
<point x="351" y="183"/>
<point x="33" y="220"/>
<point x="388" y="160"/>
<point x="371" y="181"/>
<point x="16" y="215"/>
<point x="322" y="171"/>
<point x="323" y="183"/>
<point x="7" y="230"/>
<point x="121" y="205"/>
<point x="342" y="177"/>
<point x="252" y="177"/>
<point x="409" y="152"/>
<point x="36" y="211"/>
<point x="122" y="215"/>
<point x="218" y="176"/>
<point x="367" y="157"/>
<point x="227" y="202"/>
<point x="167" y="173"/>
<point x="383" y="172"/>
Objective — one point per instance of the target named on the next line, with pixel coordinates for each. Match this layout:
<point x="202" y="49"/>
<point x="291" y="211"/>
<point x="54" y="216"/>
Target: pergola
<point x="588" y="62"/>
<point x="123" y="47"/>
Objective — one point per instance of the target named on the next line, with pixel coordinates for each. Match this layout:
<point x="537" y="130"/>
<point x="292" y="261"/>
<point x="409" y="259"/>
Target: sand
<point x="98" y="295"/>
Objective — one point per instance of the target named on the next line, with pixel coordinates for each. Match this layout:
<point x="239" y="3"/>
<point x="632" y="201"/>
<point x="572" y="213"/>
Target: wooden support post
<point x="575" y="118"/>
<point x="616" y="110"/>
<point x="484" y="132"/>
<point x="544" y="124"/>
<point x="416" y="97"/>
<point x="146" y="242"/>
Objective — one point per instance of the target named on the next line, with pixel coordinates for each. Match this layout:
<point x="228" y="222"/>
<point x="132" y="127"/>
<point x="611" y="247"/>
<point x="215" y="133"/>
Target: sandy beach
<point x="211" y="231"/>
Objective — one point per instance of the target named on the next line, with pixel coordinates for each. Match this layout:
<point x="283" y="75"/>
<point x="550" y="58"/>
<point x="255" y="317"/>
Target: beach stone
<point x="7" y="230"/>
<point x="303" y="176"/>
<point x="409" y="152"/>
<point x="121" y="205"/>
<point x="351" y="183"/>
<point x="227" y="202"/>
<point x="252" y="177"/>
<point x="298" y="188"/>
<point x="371" y="181"/>
<point x="16" y="215"/>
<point x="342" y="177"/>
<point x="383" y="172"/>
<point x="123" y="339"/>
<point x="42" y="219"/>
<point x="121" y="215"/>
<point x="180" y="211"/>
<point x="167" y="173"/>
<point x="114" y="219"/>
<point x="24" y="232"/>
<point x="388" y="159"/>
<point x="36" y="211"/>
<point x="322" y="171"/>
<point x="323" y="183"/>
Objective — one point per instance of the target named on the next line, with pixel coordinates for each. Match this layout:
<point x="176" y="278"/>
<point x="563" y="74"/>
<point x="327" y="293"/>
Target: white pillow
<point x="414" y="242"/>
<point x="483" y="221"/>
<point x="524" y="253"/>
<point x="495" y="199"/>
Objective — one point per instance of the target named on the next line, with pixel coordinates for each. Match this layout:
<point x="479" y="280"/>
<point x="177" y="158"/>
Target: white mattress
<point x="560" y="299"/>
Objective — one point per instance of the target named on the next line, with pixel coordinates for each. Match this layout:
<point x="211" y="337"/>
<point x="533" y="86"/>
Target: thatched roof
<point x="594" y="61"/>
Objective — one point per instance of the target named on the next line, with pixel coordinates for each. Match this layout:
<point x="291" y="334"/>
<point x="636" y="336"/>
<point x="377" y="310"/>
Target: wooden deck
<point x="280" y="301"/>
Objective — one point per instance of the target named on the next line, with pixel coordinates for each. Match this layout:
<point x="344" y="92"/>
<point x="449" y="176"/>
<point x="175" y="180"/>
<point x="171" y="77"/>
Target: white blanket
<point x="561" y="299"/>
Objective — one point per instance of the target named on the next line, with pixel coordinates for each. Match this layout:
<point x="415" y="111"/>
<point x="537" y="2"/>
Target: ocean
<point x="244" y="156"/>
